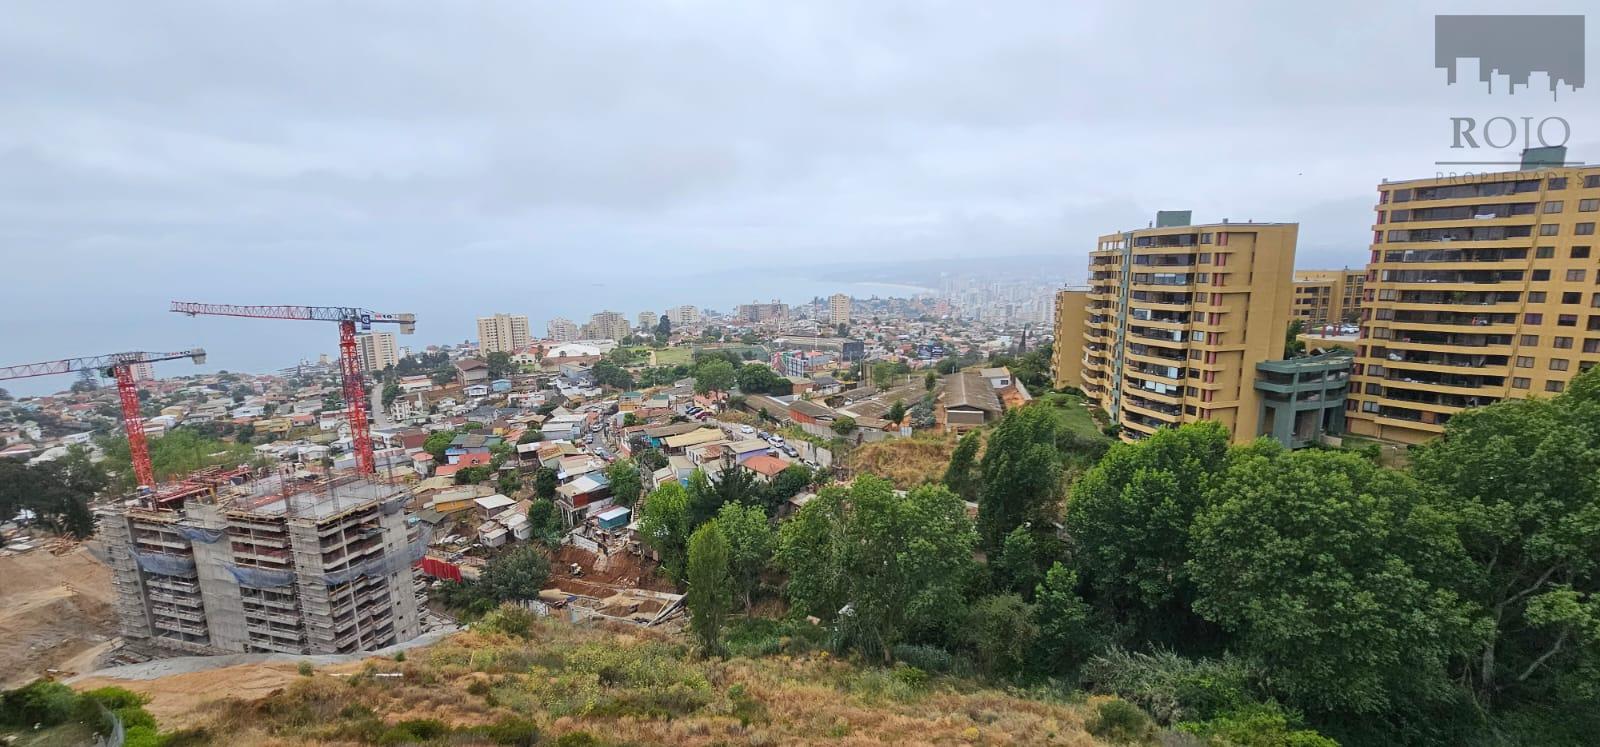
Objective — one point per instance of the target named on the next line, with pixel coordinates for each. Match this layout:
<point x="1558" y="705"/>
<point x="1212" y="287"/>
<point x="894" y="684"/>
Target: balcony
<point x="1472" y="233"/>
<point x="1453" y="256"/>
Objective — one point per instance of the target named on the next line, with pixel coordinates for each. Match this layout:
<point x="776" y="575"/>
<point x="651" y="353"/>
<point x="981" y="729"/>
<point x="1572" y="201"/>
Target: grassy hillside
<point x="906" y="462"/>
<point x="517" y="680"/>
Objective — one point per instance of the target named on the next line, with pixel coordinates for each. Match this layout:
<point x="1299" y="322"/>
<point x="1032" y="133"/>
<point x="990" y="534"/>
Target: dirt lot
<point x="602" y="574"/>
<point x="55" y="612"/>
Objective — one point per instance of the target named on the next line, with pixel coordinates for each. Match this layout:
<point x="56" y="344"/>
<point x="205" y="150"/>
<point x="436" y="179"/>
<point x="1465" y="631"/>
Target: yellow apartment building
<point x="1479" y="289"/>
<point x="1324" y="297"/>
<point x="1177" y="318"/>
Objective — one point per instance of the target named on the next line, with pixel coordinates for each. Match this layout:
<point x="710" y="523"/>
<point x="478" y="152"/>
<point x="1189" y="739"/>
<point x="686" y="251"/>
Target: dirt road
<point x="53" y="611"/>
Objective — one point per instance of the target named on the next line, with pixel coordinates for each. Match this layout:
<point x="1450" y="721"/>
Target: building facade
<point x="1478" y="290"/>
<point x="502" y="333"/>
<point x="838" y="309"/>
<point x="607" y="325"/>
<point x="1072" y="316"/>
<point x="226" y="563"/>
<point x="562" y="330"/>
<point x="1328" y="297"/>
<point x="1177" y="318"/>
<point x="683" y="316"/>
<point x="377" y="351"/>
<point x="753" y="313"/>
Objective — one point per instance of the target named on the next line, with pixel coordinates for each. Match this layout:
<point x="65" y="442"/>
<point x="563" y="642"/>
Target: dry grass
<point x="906" y="462"/>
<point x="640" y="687"/>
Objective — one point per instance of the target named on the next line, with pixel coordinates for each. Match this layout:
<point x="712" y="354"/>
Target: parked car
<point x="787" y="449"/>
<point x="747" y="430"/>
<point x="775" y="440"/>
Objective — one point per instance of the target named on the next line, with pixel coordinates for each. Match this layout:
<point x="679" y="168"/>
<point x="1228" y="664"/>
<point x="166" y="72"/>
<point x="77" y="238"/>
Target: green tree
<point x="1292" y="344"/>
<point x="515" y="575"/>
<point x="626" y="485"/>
<point x="437" y="442"/>
<point x="930" y="380"/>
<point x="713" y="375"/>
<point x="1333" y="571"/>
<point x="664" y="525"/>
<point x="896" y="412"/>
<point x="1521" y="477"/>
<point x="844" y="425"/>
<point x="391" y="394"/>
<point x="1129" y="518"/>
<point x="706" y="497"/>
<point x="1021" y="474"/>
<point x="894" y="564"/>
<point x="751" y="541"/>
<point x="651" y="459"/>
<point x="500" y="365"/>
<point x="630" y="420"/>
<point x="792" y="481"/>
<point x="884" y="373"/>
<point x="544" y="519"/>
<point x="545" y="482"/>
<point x="57" y="492"/>
<point x="663" y="329"/>
<point x="1001" y="631"/>
<point x="1024" y="557"/>
<point x="607" y="373"/>
<point x="958" y="476"/>
<point x="707" y="598"/>
<point x="759" y="378"/>
<point x="1067" y="633"/>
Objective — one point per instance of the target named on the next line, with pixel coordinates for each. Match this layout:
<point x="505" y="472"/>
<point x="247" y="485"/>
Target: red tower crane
<point x="355" y="399"/>
<point x="118" y="366"/>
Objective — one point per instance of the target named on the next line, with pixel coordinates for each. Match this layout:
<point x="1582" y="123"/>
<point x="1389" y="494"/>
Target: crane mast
<point x="349" y="318"/>
<point x="118" y="366"/>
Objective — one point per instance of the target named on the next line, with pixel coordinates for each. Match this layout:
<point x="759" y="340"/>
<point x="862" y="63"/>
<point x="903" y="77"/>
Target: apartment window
<point x="1520" y="382"/>
<point x="1533" y="318"/>
<point x="1590" y="182"/>
<point x="1375" y="370"/>
<point x="1563" y="343"/>
<point x="1535" y="296"/>
<point x="1205" y="238"/>
<point x="1539" y="276"/>
<point x="1529" y="341"/>
<point x="1524" y="361"/>
<point x="1549" y="229"/>
<point x="1197" y="336"/>
<point x="1558" y="364"/>
<point x="1575" y="276"/>
<point x="1580" y="252"/>
<point x="1381" y="333"/>
<point x="1556" y="182"/>
<point x="1588" y="206"/>
<point x="1190" y="391"/>
<point x="1544" y="252"/>
<point x="1205" y="257"/>
<point x="1388" y="294"/>
<point x="1571" y="297"/>
<point x="1202" y="277"/>
<point x="1369" y="406"/>
<point x="1554" y="386"/>
<point x="1567" y="320"/>
<point x="1591" y="345"/>
<point x="1374" y="388"/>
<point x="1584" y="229"/>
<point x="1554" y="206"/>
<point x="1189" y="409"/>
<point x="1594" y="322"/>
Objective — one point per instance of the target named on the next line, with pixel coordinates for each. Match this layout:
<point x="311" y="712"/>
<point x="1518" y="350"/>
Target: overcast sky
<point x="556" y="158"/>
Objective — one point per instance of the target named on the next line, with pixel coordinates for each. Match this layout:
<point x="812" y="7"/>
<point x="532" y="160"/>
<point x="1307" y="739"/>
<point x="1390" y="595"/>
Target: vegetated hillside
<point x="515" y="679"/>
<point x="906" y="462"/>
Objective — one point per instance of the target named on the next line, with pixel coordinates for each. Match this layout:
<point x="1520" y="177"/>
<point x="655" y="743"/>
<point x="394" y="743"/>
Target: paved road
<point x="377" y="416"/>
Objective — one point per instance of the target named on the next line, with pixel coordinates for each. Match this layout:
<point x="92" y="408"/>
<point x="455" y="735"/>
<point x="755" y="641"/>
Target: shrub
<point x="400" y="656"/>
<point x="414" y="730"/>
<point x="1173" y="688"/>
<point x="39" y="702"/>
<point x="511" y="620"/>
<point x="1121" y="722"/>
<point x="510" y="730"/>
<point x="1262" y="725"/>
<point x="577" y="739"/>
<point x="932" y="659"/>
<point x="305" y="669"/>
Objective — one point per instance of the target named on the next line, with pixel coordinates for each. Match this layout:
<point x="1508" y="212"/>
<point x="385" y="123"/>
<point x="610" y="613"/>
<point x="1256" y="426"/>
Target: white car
<point x="776" y="440"/>
<point x="747" y="430"/>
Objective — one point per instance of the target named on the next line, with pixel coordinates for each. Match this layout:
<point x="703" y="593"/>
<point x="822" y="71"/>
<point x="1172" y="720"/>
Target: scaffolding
<point x="277" y="563"/>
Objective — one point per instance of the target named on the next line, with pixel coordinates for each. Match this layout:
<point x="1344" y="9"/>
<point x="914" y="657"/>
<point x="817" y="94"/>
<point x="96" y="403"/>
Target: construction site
<point x="228" y="561"/>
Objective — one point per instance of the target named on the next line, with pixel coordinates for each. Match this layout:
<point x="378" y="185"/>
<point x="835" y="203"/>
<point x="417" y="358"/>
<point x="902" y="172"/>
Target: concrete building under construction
<point x="226" y="562"/>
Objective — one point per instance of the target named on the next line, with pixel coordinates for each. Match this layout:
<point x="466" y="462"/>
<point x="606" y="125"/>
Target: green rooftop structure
<point x="1302" y="399"/>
